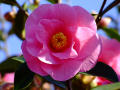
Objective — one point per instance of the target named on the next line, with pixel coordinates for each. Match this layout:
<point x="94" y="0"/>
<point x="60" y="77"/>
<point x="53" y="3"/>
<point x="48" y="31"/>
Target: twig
<point x="111" y="6"/>
<point x="100" y="12"/>
<point x="114" y="3"/>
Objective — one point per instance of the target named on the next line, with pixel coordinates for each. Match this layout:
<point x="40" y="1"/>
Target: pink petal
<point x="84" y="18"/>
<point x="65" y="13"/>
<point x="116" y="67"/>
<point x="48" y="58"/>
<point x="87" y="41"/>
<point x="69" y="53"/>
<point x="52" y="26"/>
<point x="34" y="48"/>
<point x="110" y="50"/>
<point x="62" y="71"/>
<point x="9" y="77"/>
<point x="33" y="63"/>
<point x="62" y="12"/>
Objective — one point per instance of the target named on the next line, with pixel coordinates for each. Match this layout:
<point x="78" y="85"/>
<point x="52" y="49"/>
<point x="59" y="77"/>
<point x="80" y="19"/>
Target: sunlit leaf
<point x="114" y="86"/>
<point x="23" y="77"/>
<point x="112" y="33"/>
<point x="20" y="58"/>
<point x="32" y="6"/>
<point x="10" y="65"/>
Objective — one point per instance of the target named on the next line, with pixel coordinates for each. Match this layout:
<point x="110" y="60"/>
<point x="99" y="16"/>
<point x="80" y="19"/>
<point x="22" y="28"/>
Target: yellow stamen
<point x="58" y="41"/>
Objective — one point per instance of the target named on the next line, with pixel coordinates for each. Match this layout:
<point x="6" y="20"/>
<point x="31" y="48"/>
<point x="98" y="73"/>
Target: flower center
<point x="59" y="41"/>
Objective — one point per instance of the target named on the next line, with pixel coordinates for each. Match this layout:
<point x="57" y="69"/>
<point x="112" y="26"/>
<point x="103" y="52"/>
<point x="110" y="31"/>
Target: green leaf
<point x="19" y="24"/>
<point x="103" y="70"/>
<point x="10" y="65"/>
<point x="114" y="86"/>
<point x="32" y="6"/>
<point x="23" y="77"/>
<point x="58" y="83"/>
<point x="20" y="58"/>
<point x="11" y="2"/>
<point x="1" y="36"/>
<point x="53" y="1"/>
<point x="112" y="33"/>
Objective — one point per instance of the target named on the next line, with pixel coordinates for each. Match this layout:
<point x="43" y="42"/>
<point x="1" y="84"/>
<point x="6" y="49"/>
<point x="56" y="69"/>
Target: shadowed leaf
<point x="103" y="70"/>
<point x="23" y="77"/>
<point x="10" y="65"/>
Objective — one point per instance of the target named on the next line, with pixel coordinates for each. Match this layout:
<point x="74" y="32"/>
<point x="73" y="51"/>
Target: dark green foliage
<point x="23" y="77"/>
<point x="10" y="65"/>
<point x="103" y="70"/>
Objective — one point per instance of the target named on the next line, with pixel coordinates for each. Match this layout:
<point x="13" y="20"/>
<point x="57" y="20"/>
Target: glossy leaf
<point x="32" y="7"/>
<point x="53" y="1"/>
<point x="20" y="58"/>
<point x="103" y="70"/>
<point x="11" y="2"/>
<point x="112" y="33"/>
<point x="23" y="77"/>
<point x="114" y="86"/>
<point x="10" y="65"/>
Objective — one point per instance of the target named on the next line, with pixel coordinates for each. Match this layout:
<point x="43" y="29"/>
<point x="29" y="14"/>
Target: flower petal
<point x="69" y="53"/>
<point x="33" y="63"/>
<point x="66" y="14"/>
<point x="62" y="12"/>
<point x="62" y="71"/>
<point x="88" y="42"/>
<point x="84" y="18"/>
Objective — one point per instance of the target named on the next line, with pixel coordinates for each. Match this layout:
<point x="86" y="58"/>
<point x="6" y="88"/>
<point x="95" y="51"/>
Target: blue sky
<point x="14" y="44"/>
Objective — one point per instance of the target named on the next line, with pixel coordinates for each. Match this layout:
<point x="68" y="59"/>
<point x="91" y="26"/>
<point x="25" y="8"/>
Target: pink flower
<point x="110" y="55"/>
<point x="60" y="41"/>
<point x="9" y="77"/>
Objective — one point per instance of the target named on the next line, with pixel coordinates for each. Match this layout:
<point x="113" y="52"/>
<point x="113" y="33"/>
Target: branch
<point x="21" y="9"/>
<point x="100" y="12"/>
<point x="114" y="3"/>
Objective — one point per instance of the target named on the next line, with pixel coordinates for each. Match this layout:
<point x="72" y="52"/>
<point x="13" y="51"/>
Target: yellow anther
<point x="59" y="41"/>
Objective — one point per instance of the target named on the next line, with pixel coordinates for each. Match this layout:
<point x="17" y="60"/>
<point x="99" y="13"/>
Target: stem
<point x="69" y="85"/>
<point x="114" y="3"/>
<point x="111" y="6"/>
<point x="101" y="9"/>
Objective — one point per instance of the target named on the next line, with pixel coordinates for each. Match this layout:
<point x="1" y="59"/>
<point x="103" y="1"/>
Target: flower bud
<point x="10" y="16"/>
<point x="104" y="22"/>
<point x="36" y="2"/>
